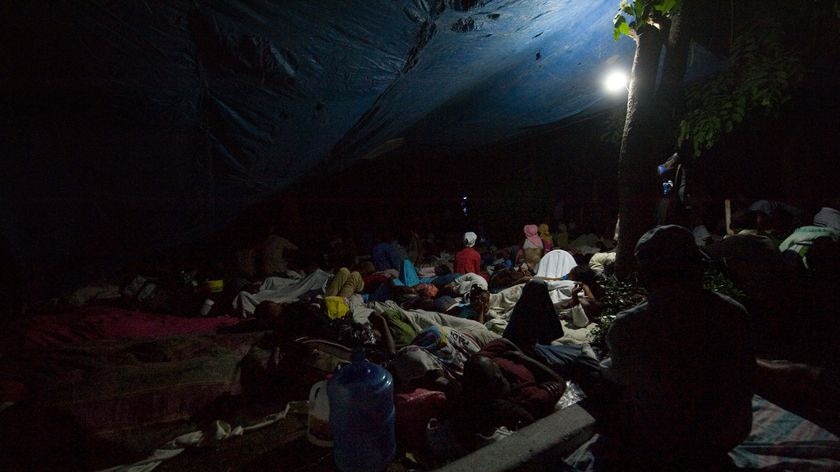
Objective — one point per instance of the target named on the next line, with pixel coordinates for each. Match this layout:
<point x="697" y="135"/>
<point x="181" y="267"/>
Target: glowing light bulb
<point x="616" y="81"/>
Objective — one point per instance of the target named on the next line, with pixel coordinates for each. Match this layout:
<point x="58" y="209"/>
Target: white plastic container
<point x="318" y="427"/>
<point x="206" y="307"/>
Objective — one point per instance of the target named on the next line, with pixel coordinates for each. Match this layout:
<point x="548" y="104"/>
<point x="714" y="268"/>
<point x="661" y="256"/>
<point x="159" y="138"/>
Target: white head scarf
<point x="469" y="239"/>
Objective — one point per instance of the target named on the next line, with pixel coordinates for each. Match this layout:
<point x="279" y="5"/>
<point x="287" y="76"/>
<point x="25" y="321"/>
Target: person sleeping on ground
<point x="475" y="306"/>
<point x="503" y="387"/>
<point x="343" y="283"/>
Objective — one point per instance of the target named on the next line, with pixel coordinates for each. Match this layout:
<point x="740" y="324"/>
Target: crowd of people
<point x="477" y="337"/>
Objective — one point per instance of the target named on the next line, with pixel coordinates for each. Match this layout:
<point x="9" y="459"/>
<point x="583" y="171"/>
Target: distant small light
<point x="463" y="198"/>
<point x="616" y="81"/>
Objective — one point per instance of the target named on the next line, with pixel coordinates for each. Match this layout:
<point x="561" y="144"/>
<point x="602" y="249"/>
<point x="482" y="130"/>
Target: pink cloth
<point x="532" y="234"/>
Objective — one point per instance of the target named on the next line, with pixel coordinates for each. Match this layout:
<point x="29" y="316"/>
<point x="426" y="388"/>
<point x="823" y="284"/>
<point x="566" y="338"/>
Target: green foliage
<point x="715" y="281"/>
<point x="634" y="14"/>
<point x="619" y="295"/>
<point x="761" y="75"/>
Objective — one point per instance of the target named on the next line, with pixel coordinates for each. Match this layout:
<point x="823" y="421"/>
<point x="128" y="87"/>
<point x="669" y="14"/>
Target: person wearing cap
<point x="682" y="362"/>
<point x="468" y="260"/>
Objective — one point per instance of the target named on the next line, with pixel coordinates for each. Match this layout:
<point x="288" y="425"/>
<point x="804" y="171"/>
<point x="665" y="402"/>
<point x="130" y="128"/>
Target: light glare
<point x="616" y="81"/>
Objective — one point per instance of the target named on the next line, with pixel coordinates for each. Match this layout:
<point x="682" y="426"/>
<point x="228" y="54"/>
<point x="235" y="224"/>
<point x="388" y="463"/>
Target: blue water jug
<point x="362" y="415"/>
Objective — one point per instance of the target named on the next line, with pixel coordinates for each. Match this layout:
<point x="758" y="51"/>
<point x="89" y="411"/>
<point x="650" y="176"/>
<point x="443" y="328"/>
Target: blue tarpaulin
<point x="130" y="126"/>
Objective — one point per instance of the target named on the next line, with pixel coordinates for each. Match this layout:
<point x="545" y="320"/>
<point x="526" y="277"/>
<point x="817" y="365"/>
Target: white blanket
<point x="502" y="303"/>
<point x="421" y="319"/>
<point x="555" y="264"/>
<point x="280" y="290"/>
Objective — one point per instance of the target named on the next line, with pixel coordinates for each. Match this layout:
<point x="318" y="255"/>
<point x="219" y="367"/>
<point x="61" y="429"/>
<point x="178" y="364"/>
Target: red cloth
<point x="414" y="410"/>
<point x="112" y="323"/>
<point x="467" y="261"/>
<point x="373" y="280"/>
<point x="524" y="382"/>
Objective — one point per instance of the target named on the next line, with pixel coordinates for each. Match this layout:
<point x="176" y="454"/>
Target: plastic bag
<point x="572" y="395"/>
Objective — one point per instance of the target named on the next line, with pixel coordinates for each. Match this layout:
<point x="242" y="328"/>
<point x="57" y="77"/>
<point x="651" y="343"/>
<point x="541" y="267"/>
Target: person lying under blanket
<point x="503" y="387"/>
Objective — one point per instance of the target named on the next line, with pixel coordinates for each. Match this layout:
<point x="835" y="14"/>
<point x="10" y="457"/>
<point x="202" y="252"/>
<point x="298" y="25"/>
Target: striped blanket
<point x="779" y="440"/>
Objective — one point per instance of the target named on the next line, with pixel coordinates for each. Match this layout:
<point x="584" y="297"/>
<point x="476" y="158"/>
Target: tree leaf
<point x="665" y="6"/>
<point x="624" y="28"/>
<point x="619" y="20"/>
<point x="639" y="11"/>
